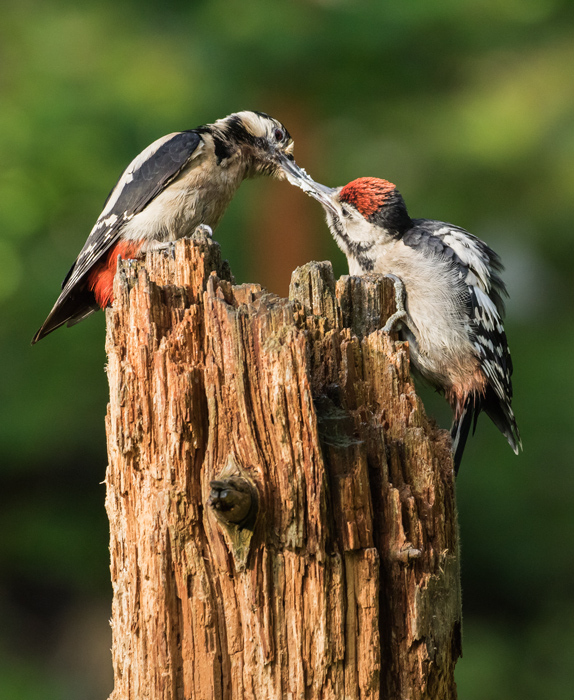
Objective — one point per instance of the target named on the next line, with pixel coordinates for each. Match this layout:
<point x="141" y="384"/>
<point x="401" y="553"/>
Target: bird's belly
<point x="178" y="210"/>
<point x="436" y="326"/>
<point x="438" y="338"/>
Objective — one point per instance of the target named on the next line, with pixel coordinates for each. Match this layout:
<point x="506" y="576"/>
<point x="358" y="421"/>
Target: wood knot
<point x="233" y="500"/>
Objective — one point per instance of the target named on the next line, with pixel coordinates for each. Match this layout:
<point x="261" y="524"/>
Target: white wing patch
<point x="107" y="221"/>
<point x="469" y="253"/>
<point x="486" y="313"/>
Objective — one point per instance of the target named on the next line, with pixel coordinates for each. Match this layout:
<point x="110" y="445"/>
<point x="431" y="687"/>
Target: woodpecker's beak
<point x="324" y="195"/>
<point x="298" y="177"/>
<point x="289" y="167"/>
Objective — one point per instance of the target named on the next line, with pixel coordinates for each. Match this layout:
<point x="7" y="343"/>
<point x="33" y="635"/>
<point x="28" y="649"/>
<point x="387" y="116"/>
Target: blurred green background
<point x="468" y="106"/>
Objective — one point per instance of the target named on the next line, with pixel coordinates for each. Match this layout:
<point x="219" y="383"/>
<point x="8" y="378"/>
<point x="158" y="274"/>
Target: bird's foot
<point x="203" y="230"/>
<point x="400" y="312"/>
<point x="167" y="247"/>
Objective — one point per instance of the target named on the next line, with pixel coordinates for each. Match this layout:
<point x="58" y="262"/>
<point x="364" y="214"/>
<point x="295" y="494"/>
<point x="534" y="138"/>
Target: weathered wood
<point x="343" y="582"/>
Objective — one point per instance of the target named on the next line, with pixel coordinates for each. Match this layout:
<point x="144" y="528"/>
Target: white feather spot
<point x="469" y="253"/>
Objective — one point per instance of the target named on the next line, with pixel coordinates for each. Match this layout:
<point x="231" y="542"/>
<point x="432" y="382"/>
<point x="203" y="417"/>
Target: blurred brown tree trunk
<point x="344" y="582"/>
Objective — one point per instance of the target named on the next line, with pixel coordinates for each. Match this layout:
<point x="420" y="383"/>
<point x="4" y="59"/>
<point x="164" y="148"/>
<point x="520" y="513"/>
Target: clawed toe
<point x="203" y="230"/>
<point x="400" y="312"/>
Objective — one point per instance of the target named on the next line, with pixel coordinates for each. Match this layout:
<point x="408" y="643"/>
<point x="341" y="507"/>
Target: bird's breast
<point x="200" y="195"/>
<point x="437" y="323"/>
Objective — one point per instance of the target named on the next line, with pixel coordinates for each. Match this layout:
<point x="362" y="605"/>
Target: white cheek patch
<point x="361" y="231"/>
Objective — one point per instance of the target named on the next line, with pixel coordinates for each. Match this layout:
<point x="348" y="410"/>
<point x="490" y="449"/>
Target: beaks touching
<point x="298" y="176"/>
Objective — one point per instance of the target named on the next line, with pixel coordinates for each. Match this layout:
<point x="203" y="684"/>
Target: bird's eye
<point x="346" y="212"/>
<point x="278" y="135"/>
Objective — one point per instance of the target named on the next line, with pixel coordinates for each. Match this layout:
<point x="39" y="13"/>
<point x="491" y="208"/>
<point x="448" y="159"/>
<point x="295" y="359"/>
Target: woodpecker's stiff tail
<point x="502" y="415"/>
<point x="499" y="412"/>
<point x="69" y="309"/>
<point x="460" y="431"/>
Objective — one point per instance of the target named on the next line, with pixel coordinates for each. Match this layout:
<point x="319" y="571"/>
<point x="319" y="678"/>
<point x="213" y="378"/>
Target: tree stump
<point x="282" y="513"/>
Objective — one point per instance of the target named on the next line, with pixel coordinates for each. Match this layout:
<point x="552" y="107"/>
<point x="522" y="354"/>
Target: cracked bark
<point x="343" y="581"/>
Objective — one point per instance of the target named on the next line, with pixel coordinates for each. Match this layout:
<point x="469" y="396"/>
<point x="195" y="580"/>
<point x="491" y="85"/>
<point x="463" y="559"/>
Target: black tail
<point x="70" y="308"/>
<point x="502" y="415"/>
<point x="461" y="429"/>
<point x="499" y="412"/>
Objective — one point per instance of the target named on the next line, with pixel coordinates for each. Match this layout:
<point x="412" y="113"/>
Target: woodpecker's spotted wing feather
<point x="146" y="176"/>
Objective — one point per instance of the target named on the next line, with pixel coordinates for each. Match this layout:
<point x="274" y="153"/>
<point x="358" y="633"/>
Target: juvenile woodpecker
<point x="452" y="297"/>
<point x="180" y="181"/>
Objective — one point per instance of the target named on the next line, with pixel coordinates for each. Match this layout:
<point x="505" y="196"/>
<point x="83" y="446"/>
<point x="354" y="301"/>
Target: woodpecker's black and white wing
<point x="478" y="267"/>
<point x="144" y="178"/>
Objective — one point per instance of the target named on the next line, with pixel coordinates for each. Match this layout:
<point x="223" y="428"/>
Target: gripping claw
<point x="203" y="230"/>
<point x="400" y="313"/>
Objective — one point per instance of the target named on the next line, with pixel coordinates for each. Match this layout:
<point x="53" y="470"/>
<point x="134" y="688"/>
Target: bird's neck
<point x="392" y="218"/>
<point x="358" y="252"/>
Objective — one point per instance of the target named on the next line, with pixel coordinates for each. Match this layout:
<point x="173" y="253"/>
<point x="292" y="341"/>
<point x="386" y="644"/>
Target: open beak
<point x="298" y="177"/>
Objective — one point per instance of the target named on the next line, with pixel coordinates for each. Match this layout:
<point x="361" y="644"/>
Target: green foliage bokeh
<point x="467" y="105"/>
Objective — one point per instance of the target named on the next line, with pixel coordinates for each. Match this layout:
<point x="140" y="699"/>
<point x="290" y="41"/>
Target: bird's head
<point x="363" y="210"/>
<point x="263" y="141"/>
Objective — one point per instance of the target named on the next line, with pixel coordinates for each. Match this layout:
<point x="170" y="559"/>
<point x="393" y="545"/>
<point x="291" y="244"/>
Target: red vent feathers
<point x="366" y="194"/>
<point x="101" y="277"/>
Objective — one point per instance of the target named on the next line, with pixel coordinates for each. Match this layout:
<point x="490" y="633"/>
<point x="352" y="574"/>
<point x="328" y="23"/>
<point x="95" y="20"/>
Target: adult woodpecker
<point x="180" y="181"/>
<point x="452" y="291"/>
